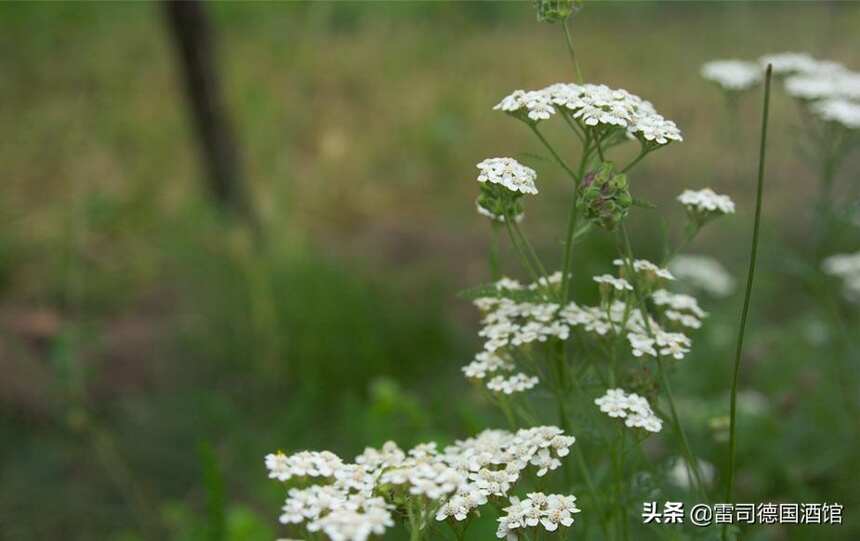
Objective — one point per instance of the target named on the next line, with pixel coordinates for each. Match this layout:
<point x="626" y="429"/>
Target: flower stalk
<point x="730" y="484"/>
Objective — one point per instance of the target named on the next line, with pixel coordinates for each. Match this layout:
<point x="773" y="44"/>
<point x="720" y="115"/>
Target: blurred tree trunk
<point x="193" y="40"/>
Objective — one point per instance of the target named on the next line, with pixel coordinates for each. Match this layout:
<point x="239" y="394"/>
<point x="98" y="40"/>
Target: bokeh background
<point x="153" y="348"/>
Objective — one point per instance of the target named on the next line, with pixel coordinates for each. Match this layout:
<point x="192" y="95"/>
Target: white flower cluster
<point x="347" y="503"/>
<point x="594" y="105"/>
<point x="619" y="284"/>
<point x="339" y="514"/>
<point x="665" y="343"/>
<point x="486" y="362"/>
<point x="303" y="464"/>
<point x="812" y="80"/>
<point x="509" y="173"/>
<point x="679" y="474"/>
<point x="704" y="273"/>
<point x="508" y="324"/>
<point x="643" y="266"/>
<point x="516" y="383"/>
<point x="537" y="509"/>
<point x="706" y="201"/>
<point x="733" y="75"/>
<point x="633" y="408"/>
<point x="847" y="268"/>
<point x="509" y="284"/>
<point x="840" y="111"/>
<point x="831" y="84"/>
<point x="680" y="307"/>
<point x="511" y="323"/>
<point x="790" y="62"/>
<point x="536" y="103"/>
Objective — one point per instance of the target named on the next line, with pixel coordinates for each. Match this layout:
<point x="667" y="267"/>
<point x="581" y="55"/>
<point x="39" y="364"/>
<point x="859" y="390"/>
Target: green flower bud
<point x="497" y="202"/>
<point x="604" y="196"/>
<point x="553" y="11"/>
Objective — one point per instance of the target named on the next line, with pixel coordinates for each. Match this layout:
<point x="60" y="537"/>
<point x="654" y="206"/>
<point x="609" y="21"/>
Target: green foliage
<point x="178" y="331"/>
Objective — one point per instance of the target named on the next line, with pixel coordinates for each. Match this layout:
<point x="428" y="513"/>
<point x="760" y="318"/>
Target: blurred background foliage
<point x="151" y="353"/>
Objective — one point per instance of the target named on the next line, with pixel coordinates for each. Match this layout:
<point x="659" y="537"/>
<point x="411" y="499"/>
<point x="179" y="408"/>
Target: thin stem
<point x="569" y="40"/>
<point x="573" y="127"/>
<point x="565" y="425"/>
<point x="692" y="462"/>
<point x="495" y="271"/>
<point x="567" y="264"/>
<point x="750" y="276"/>
<point x="589" y="483"/>
<point x="692" y="232"/>
<point x="642" y="153"/>
<point x="555" y="155"/>
<point x="523" y="256"/>
<point x="531" y="251"/>
<point x="597" y="144"/>
<point x="568" y="248"/>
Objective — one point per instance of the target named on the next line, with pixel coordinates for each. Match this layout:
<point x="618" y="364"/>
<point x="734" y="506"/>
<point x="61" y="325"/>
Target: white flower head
<point x="517" y="383"/>
<point x="847" y="268"/>
<point x="535" y="105"/>
<point x="706" y="202"/>
<point x="680" y="476"/>
<point x="634" y="409"/>
<point x="549" y="511"/>
<point x="704" y="273"/>
<point x="509" y="173"/>
<point x="789" y="63"/>
<point x="679" y="307"/>
<point x="619" y="284"/>
<point x="839" y="111"/>
<point x="824" y="84"/>
<point x="593" y="105"/>
<point x="646" y="267"/>
<point x="733" y="75"/>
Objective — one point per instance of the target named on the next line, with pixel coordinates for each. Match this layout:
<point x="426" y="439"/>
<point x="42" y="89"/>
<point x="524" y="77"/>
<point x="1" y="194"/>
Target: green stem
<point x="414" y="530"/>
<point x="745" y="312"/>
<point x="692" y="463"/>
<point x="569" y="40"/>
<point x="531" y="251"/>
<point x="642" y="153"/>
<point x="555" y="155"/>
<point x="495" y="271"/>
<point x="571" y="225"/>
<point x="506" y="409"/>
<point x="692" y="232"/>
<point x="597" y="144"/>
<point x="573" y="127"/>
<point x="523" y="256"/>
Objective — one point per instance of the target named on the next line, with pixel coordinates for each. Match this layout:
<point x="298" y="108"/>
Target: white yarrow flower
<point x="703" y="272"/>
<point x="733" y="75"/>
<point x="826" y="84"/>
<point x="789" y="63"/>
<point x="706" y="201"/>
<point x="517" y="383"/>
<point x="646" y="267"/>
<point x="634" y="409"/>
<point x="509" y="173"/>
<point x="839" y="111"/>
<point x="547" y="510"/>
<point x="536" y="105"/>
<point x="847" y="268"/>
<point x="619" y="284"/>
<point x="680" y="476"/>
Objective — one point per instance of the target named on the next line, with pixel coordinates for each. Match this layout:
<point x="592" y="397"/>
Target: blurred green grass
<point x="127" y="300"/>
